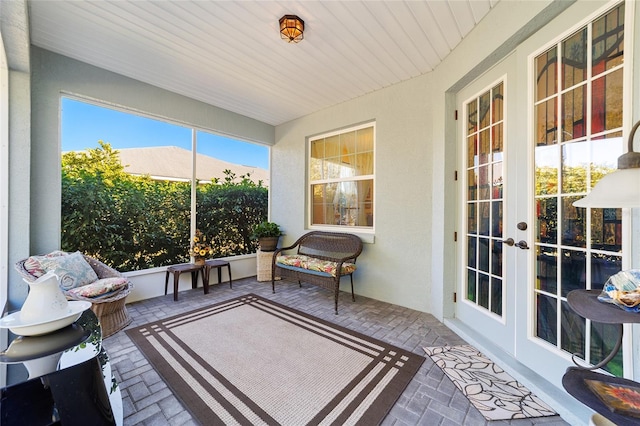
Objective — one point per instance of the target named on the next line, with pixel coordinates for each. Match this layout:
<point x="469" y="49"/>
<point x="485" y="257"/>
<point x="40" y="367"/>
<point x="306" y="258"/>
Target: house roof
<point x="174" y="163"/>
<point x="229" y="53"/>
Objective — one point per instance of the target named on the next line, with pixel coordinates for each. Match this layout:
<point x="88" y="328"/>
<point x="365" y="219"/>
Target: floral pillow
<point x="72" y="270"/>
<point x="104" y="287"/>
<point x="33" y="264"/>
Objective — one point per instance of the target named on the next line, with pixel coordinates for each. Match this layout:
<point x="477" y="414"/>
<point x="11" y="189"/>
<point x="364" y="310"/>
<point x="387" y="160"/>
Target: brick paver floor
<point x="430" y="398"/>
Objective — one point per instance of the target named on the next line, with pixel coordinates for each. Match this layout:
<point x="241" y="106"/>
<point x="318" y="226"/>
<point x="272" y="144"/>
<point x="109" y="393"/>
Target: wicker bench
<point x="320" y="258"/>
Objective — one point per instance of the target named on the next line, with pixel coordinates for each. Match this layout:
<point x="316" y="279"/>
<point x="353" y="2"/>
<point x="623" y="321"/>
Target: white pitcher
<point x="45" y="301"/>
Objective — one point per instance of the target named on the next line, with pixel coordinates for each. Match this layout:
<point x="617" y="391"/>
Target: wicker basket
<point x="264" y="259"/>
<point x="111" y="311"/>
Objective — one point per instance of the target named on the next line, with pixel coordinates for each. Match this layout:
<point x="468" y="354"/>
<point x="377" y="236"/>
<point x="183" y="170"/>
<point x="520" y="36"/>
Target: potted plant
<point x="267" y="234"/>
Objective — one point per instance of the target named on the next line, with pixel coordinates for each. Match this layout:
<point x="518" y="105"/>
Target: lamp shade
<point x="621" y="188"/>
<point x="291" y="28"/>
<point x="615" y="190"/>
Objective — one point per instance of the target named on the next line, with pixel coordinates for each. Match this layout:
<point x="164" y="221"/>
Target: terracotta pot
<point x="199" y="261"/>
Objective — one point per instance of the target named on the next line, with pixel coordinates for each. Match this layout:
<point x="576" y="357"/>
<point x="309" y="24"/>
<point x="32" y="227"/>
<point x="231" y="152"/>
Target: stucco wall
<point x="394" y="268"/>
<point x="415" y="163"/>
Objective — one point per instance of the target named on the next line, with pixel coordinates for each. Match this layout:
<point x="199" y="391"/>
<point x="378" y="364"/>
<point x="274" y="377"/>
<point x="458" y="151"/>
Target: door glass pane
<point x="602" y="267"/>
<point x="574" y="110"/>
<point x="547" y="269"/>
<point x="471" y="286"/>
<point x="485" y="147"/>
<point x="574" y="59"/>
<point x="496" y="219"/>
<point x="483" y="290"/>
<point x="573" y="264"/>
<point x="603" y="340"/>
<point x="485" y="218"/>
<point x="606" y="150"/>
<point x="497" y="138"/>
<point x="472" y="117"/>
<point x="484" y="182"/>
<point x="472" y="184"/>
<point x="572" y="333"/>
<point x="546" y="74"/>
<point x="606" y="102"/>
<point x="546" y="318"/>
<point x="496" y="296"/>
<point x="573" y="222"/>
<point x="606" y="230"/>
<point x="577" y="248"/>
<point x="471" y="252"/>
<point x="472" y="150"/>
<point x="547" y="122"/>
<point x="547" y="165"/>
<point x="483" y="254"/>
<point x="547" y="220"/>
<point x="608" y="41"/>
<point x="574" y="172"/>
<point x="484" y="204"/>
<point x="472" y="219"/>
<point x="496" y="258"/>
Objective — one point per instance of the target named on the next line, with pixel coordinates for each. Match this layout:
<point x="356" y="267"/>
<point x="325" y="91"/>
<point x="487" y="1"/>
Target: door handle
<point x="522" y="244"/>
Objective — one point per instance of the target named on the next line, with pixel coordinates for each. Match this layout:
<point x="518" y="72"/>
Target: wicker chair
<point x="111" y="311"/>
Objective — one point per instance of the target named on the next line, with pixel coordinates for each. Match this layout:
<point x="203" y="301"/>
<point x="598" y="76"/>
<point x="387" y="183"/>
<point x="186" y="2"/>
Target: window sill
<point x="367" y="237"/>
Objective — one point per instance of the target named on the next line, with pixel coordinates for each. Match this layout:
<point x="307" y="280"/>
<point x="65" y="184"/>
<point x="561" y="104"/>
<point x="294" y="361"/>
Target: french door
<point x="532" y="144"/>
<point x="488" y="266"/>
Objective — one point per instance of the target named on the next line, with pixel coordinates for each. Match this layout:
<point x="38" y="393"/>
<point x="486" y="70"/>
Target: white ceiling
<point x="229" y="53"/>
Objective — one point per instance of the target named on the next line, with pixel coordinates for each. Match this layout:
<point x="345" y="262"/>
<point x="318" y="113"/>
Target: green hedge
<point x="132" y="222"/>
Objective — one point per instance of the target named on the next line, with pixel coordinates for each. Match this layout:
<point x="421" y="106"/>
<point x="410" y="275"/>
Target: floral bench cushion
<point x="314" y="264"/>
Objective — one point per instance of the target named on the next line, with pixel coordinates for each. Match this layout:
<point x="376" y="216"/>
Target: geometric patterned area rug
<point x="253" y="361"/>
<point x="488" y="387"/>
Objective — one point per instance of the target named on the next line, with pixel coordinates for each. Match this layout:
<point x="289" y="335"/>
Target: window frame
<point x="194" y="133"/>
<point x="364" y="230"/>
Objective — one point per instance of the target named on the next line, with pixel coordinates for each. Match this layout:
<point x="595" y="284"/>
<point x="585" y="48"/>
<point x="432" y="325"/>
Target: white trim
<point x="463" y="219"/>
<point x="4" y="196"/>
<point x="4" y="175"/>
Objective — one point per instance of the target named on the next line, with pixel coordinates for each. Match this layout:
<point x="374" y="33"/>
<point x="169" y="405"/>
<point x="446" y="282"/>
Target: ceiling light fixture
<point x="620" y="188"/>
<point x="291" y="28"/>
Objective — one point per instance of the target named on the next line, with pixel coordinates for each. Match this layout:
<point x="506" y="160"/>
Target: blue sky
<point x="83" y="125"/>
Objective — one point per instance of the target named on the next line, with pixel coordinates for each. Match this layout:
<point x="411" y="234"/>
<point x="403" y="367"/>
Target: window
<point x="134" y="189"/>
<point x="341" y="178"/>
<point x="578" y="138"/>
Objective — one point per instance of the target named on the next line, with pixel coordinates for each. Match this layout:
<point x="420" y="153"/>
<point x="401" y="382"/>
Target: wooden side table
<point x="206" y="272"/>
<point x="176" y="270"/>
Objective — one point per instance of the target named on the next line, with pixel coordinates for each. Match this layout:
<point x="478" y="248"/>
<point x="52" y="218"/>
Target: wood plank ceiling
<point x="229" y="53"/>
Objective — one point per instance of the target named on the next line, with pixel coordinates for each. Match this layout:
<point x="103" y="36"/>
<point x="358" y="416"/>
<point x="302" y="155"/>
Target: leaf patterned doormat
<point x="488" y="387"/>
